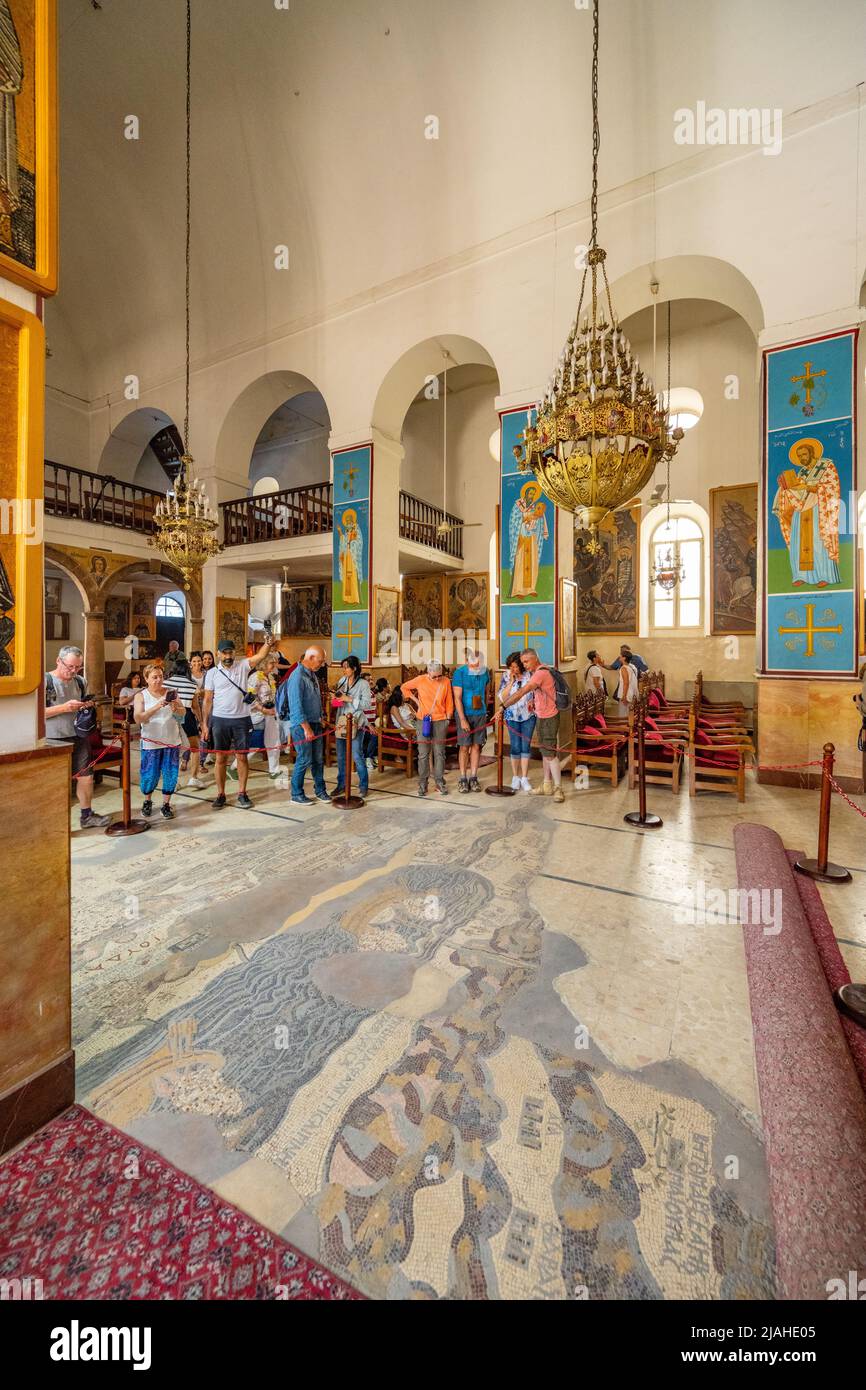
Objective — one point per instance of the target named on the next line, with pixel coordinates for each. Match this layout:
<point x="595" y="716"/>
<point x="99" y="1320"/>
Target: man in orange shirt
<point x="544" y="695"/>
<point x="435" y="700"/>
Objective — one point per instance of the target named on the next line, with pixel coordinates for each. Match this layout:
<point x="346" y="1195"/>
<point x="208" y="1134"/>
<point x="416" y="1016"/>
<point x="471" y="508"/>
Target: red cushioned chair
<point x="717" y="767"/>
<point x="663" y="754"/>
<point x="591" y="733"/>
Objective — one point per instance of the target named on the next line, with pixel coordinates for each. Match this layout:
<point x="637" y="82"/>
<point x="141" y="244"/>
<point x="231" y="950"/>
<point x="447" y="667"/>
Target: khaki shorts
<point x="547" y="731"/>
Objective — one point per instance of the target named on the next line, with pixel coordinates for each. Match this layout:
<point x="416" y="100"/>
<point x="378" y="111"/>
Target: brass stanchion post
<point x="126" y="826"/>
<point x="348" y="802"/>
<point x="821" y="868"/>
<point x="641" y="816"/>
<point x="499" y="789"/>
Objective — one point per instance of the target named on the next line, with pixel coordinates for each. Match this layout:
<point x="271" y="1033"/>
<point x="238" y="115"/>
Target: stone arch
<point x="406" y="377"/>
<point x="129" y="437"/>
<point x="156" y="569"/>
<point x="79" y="576"/>
<point x="247" y="415"/>
<point x="689" y="277"/>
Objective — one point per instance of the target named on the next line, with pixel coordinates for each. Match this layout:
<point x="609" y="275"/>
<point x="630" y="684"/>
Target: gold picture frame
<point x="22" y="392"/>
<point x="386" y="606"/>
<point x="35" y="108"/>
<point x="567" y="620"/>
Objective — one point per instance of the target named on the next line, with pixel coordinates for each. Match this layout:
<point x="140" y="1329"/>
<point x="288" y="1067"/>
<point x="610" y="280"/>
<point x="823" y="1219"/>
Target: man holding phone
<point x="225" y="714"/>
<point x="65" y="695"/>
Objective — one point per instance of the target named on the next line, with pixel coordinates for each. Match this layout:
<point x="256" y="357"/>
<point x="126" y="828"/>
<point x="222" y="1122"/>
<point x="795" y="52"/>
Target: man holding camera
<point x="225" y="714"/>
<point x="65" y="695"/>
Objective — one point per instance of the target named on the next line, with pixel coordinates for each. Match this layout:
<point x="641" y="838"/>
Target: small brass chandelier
<point x="600" y="428"/>
<point x="185" y="525"/>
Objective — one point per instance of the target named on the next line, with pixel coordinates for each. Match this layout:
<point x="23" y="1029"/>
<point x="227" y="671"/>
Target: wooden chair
<point x="590" y="727"/>
<point x="717" y="767"/>
<point x="394" y="750"/>
<point x="663" y="753"/>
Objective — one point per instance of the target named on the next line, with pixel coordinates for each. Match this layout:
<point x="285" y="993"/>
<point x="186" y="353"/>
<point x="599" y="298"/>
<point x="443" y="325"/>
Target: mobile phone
<point x="268" y="627"/>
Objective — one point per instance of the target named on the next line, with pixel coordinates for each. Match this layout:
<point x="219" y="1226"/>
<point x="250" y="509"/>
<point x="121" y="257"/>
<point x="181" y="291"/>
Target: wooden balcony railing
<point x="420" y="522"/>
<point x="294" y="511"/>
<point x="98" y="498"/>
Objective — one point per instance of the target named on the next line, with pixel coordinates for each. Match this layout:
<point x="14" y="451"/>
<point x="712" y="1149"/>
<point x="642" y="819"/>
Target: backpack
<point x="586" y="673"/>
<point x="84" y="723"/>
<point x="561" y="692"/>
<point x="281" y="703"/>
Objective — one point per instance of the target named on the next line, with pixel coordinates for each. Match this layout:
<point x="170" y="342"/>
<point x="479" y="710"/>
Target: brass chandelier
<point x="600" y="428"/>
<point x="185" y="525"/>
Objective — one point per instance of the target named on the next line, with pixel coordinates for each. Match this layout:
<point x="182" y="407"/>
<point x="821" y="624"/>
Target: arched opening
<point x="67" y="604"/>
<point x="142" y="449"/>
<point x="277" y="430"/>
<point x="439" y="400"/>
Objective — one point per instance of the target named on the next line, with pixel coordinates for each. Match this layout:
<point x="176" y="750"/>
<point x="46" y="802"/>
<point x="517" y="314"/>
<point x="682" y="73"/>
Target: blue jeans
<point x="520" y="735"/>
<point x="357" y="758"/>
<point x="308" y="756"/>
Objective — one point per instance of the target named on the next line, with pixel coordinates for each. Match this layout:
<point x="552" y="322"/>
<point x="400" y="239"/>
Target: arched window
<point x="168" y="607"/>
<point x="677" y="544"/>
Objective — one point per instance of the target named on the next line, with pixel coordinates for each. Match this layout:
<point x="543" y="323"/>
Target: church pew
<point x="393" y="749"/>
<point x="590" y="727"/>
<point x="718" y="767"/>
<point x="663" y="755"/>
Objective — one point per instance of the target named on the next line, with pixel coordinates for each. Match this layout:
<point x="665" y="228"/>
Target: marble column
<point x="94" y="650"/>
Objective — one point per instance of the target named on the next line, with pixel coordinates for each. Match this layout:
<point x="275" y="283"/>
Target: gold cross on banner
<point x="350" y="472"/>
<point x="808" y="379"/>
<point x="526" y="633"/>
<point x="350" y="635"/>
<point x="810" y="629"/>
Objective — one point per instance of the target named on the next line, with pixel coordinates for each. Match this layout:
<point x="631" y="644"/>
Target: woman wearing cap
<point x="435" y="701"/>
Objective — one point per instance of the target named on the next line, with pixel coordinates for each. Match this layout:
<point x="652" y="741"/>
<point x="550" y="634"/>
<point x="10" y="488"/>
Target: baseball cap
<point x="225" y="645"/>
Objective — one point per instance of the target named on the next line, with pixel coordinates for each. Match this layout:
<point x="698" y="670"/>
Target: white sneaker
<point x="524" y="784"/>
<point x="195" y="783"/>
<point x="515" y="784"/>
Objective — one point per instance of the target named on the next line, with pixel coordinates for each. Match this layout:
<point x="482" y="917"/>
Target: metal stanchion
<point x="641" y="816"/>
<point x="348" y="802"/>
<point x="127" y="826"/>
<point x="499" y="790"/>
<point x="821" y="868"/>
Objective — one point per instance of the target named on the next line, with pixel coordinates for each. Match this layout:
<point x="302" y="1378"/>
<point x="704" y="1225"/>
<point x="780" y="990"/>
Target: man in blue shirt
<point x="305" y="726"/>
<point x="470" y="683"/>
<point x="628" y="658"/>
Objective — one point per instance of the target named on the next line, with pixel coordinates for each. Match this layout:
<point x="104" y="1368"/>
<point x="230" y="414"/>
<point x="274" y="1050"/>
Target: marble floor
<point x="464" y="1047"/>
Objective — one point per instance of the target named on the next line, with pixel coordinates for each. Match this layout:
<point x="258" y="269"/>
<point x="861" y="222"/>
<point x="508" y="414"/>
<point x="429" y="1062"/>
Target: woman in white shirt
<point x="160" y="718"/>
<point x="263" y="684"/>
<point x="519" y="721"/>
<point x="626" y="691"/>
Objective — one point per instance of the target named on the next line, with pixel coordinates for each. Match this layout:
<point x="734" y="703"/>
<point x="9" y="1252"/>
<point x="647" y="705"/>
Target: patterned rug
<point x="91" y="1214"/>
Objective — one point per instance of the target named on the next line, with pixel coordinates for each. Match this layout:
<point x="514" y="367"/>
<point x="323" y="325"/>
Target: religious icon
<point x="734" y="563"/>
<point x="527" y="532"/>
<point x="351" y="558"/>
<point x="98" y="568"/>
<point x="11" y="81"/>
<point x="117" y="618"/>
<point x="466" y="602"/>
<point x="52" y="594"/>
<point x="807" y="506"/>
<point x="7" y="626"/>
<point x="28" y="143"/>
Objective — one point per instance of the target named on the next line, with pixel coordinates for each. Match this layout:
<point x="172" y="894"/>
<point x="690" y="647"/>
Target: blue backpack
<point x="281" y="703"/>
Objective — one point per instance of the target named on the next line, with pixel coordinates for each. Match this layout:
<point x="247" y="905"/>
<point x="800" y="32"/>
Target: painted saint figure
<point x="807" y="506"/>
<point x="527" y="532"/>
<point x="11" y="78"/>
<point x="351" y="561"/>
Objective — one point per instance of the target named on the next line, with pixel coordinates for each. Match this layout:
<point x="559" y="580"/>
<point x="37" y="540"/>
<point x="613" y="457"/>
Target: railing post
<point x="821" y="868"/>
<point x="126" y="826"/>
<point x="641" y="817"/>
<point x="499" y="789"/>
<point x="348" y="802"/>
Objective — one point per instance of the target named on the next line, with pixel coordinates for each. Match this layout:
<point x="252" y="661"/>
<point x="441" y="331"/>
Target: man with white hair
<point x="435" y="701"/>
<point x="65" y="695"/>
<point x="306" y="727"/>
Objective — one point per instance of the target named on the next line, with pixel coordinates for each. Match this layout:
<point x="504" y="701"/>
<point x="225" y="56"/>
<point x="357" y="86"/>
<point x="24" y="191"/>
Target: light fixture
<point x="600" y="428"/>
<point x="285" y="587"/>
<point x="185" y="525"/>
<point x="669" y="570"/>
<point x="495" y="446"/>
<point x="684" y="406"/>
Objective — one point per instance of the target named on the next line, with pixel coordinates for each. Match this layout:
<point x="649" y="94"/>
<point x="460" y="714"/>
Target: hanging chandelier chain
<point x="596" y="137"/>
<point x="188" y="207"/>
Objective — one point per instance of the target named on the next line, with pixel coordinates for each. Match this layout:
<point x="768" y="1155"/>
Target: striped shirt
<point x="186" y="688"/>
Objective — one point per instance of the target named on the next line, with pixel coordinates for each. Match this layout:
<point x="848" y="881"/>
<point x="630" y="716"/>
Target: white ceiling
<point x="308" y="131"/>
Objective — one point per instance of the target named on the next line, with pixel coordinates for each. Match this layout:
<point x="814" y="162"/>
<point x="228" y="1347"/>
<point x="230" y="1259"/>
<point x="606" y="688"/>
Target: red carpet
<point x="74" y="1214"/>
<point x="832" y="962"/>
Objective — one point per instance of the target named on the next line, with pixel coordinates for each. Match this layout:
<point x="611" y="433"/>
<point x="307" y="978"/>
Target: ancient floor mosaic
<point x="454" y="1050"/>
